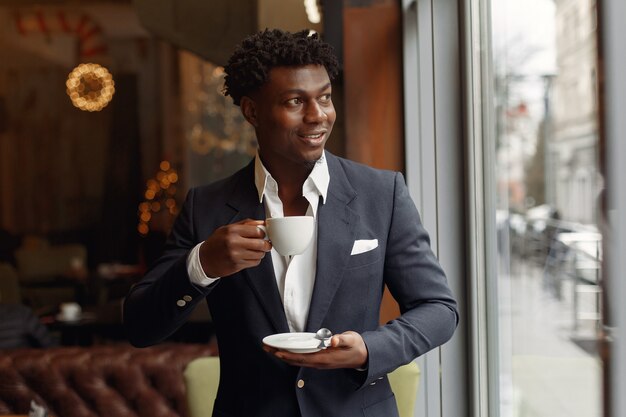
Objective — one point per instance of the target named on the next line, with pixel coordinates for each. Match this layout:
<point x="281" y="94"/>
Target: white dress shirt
<point x="295" y="275"/>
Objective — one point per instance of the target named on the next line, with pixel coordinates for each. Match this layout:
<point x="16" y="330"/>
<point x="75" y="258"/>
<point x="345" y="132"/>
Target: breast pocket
<point x="365" y="258"/>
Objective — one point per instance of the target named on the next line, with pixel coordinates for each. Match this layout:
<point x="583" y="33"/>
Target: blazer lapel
<point x="245" y="202"/>
<point x="336" y="233"/>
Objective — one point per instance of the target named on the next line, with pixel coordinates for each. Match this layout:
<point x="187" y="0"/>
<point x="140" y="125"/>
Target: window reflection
<point x="548" y="187"/>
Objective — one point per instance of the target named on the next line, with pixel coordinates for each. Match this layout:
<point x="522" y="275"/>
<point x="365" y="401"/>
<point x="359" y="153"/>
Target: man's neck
<point x="297" y="206"/>
<point x="293" y="175"/>
<point x="290" y="179"/>
<point x="290" y="176"/>
<point x="290" y="194"/>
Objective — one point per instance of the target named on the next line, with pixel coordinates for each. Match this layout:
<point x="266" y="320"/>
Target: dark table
<point x="102" y="324"/>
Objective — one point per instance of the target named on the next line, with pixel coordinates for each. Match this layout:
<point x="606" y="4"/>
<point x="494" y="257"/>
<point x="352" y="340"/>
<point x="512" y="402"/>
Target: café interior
<point x="111" y="110"/>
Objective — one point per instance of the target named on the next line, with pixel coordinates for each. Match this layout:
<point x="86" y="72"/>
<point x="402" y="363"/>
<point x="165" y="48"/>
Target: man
<point x="368" y="234"/>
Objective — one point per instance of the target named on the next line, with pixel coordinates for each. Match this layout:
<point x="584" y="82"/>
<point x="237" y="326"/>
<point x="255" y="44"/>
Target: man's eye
<point x="294" y="101"/>
<point x="325" y="98"/>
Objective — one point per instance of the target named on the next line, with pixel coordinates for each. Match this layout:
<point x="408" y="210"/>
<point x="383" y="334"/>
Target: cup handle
<point x="266" y="237"/>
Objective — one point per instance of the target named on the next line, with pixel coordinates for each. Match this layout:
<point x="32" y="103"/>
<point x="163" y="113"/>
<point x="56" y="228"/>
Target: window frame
<point x="613" y="101"/>
<point x="433" y="125"/>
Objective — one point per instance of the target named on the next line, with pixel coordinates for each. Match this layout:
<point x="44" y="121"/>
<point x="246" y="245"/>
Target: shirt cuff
<point x="195" y="271"/>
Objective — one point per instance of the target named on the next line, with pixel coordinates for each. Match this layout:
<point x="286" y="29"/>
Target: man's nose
<point x="314" y="113"/>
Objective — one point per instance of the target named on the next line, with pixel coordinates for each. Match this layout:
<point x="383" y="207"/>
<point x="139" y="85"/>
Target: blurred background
<point x="500" y="113"/>
<point x="111" y="110"/>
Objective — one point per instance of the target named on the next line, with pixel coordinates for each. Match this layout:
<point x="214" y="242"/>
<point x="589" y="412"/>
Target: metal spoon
<point x="323" y="335"/>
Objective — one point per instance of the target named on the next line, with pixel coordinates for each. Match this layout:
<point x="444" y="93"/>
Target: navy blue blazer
<point x="362" y="203"/>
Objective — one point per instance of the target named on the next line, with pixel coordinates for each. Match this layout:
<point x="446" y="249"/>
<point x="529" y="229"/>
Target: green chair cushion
<point x="202" y="378"/>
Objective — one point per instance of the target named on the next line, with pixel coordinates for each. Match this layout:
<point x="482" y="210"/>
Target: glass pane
<point x="548" y="186"/>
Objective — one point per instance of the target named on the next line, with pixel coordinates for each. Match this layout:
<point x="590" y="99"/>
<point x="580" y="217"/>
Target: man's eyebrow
<point x="301" y="91"/>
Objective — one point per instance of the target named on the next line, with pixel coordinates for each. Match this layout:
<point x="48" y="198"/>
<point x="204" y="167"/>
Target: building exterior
<point x="573" y="181"/>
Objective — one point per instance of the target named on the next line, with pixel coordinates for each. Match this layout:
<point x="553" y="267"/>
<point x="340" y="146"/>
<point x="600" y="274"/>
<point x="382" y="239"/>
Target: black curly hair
<point x="249" y="66"/>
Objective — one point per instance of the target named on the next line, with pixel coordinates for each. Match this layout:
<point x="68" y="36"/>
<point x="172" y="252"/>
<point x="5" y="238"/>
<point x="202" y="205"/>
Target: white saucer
<point x="294" y="342"/>
<point x="61" y="317"/>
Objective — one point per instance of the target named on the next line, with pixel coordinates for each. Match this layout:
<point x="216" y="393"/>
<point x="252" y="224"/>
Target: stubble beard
<point x="309" y="165"/>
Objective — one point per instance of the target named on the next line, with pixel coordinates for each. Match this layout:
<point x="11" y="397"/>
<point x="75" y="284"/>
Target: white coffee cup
<point x="289" y="235"/>
<point x="70" y="311"/>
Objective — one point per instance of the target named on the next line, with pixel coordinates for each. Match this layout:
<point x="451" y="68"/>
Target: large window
<point x="522" y="164"/>
<point x="543" y="202"/>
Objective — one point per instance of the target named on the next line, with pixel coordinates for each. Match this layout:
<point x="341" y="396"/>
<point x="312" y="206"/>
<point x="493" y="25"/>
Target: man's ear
<point x="248" y="109"/>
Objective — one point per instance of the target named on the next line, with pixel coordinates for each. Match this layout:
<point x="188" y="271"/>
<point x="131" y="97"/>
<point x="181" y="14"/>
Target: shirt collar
<point x="318" y="179"/>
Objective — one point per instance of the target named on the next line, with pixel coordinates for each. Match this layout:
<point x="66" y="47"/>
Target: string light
<point x="312" y="11"/>
<point x="90" y="87"/>
<point x="159" y="196"/>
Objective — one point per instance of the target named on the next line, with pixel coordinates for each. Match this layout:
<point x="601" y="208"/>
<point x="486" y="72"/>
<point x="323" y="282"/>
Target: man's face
<point x="293" y="116"/>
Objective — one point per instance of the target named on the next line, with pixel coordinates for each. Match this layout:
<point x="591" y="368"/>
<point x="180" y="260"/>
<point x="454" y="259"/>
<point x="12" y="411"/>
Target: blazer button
<point x="187" y="298"/>
<point x="301" y="383"/>
<point x="181" y="303"/>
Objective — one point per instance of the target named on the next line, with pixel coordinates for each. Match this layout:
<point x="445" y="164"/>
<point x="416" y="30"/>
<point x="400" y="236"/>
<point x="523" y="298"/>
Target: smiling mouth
<point x="312" y="136"/>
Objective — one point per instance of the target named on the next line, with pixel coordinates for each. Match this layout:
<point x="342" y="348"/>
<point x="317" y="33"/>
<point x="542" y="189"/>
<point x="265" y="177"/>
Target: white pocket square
<point x="364" y="245"/>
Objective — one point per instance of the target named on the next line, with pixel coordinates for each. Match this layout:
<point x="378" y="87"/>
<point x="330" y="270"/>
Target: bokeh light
<point x="90" y="87"/>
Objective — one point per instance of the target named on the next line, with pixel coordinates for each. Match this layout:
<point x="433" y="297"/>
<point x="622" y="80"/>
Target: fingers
<point x="293" y="359"/>
<point x="251" y="222"/>
<point x="344" y="340"/>
<point x="234" y="247"/>
<point x="324" y="359"/>
<point x="256" y="239"/>
<point x="250" y="229"/>
<point x="246" y="236"/>
<point x="249" y="248"/>
<point x="305" y="360"/>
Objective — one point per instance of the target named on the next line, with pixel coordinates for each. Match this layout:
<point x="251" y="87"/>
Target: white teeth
<point x="319" y="135"/>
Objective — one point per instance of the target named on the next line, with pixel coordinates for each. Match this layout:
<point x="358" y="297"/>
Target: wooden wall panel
<point x="372" y="47"/>
<point x="373" y="84"/>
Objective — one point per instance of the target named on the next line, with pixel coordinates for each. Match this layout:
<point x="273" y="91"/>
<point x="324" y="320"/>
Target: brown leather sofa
<point x="109" y="380"/>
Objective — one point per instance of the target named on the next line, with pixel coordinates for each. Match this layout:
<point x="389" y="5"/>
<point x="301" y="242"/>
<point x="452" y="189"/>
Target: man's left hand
<point x="346" y="350"/>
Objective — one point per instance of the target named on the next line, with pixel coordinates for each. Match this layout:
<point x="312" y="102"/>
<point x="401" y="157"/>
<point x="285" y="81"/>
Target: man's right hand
<point x="234" y="247"/>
